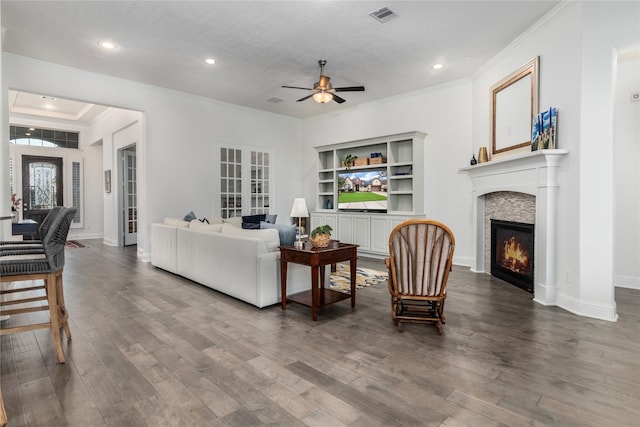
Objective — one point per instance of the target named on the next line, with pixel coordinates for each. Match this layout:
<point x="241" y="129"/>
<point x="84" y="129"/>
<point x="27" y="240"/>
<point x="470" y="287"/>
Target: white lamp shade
<point x="299" y="208"/>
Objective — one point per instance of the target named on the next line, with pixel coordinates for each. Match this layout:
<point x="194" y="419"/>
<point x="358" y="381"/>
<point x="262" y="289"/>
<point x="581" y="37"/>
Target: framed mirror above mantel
<point x="514" y="103"/>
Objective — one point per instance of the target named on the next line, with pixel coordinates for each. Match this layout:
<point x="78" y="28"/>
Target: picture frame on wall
<point x="514" y="104"/>
<point x="107" y="181"/>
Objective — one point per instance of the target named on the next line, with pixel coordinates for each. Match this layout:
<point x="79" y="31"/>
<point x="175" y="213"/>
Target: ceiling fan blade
<point x="297" y="87"/>
<point x="306" y="97"/>
<point x="349" y="89"/>
<point x="338" y="99"/>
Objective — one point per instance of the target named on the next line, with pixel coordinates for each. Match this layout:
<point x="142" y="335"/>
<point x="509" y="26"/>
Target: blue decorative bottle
<point x="329" y="204"/>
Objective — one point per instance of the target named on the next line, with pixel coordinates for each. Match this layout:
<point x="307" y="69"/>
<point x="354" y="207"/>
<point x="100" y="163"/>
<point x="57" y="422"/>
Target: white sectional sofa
<point x="244" y="264"/>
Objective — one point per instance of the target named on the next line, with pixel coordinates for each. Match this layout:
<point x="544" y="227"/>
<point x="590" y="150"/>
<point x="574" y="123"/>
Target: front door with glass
<point x="41" y="186"/>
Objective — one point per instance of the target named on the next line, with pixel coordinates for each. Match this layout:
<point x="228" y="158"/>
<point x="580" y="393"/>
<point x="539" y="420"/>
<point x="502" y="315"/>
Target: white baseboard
<point x="627" y="282"/>
<point x="109" y="242"/>
<point x="463" y="261"/>
<point x="592" y="309"/>
<point x="83" y="236"/>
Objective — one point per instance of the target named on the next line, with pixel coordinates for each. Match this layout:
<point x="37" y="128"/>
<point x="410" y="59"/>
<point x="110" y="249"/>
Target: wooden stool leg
<point x="63" y="315"/>
<point x="53" y="314"/>
<point x="3" y="414"/>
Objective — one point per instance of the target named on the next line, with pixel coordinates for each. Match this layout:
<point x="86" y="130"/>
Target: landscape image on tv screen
<point x="364" y="191"/>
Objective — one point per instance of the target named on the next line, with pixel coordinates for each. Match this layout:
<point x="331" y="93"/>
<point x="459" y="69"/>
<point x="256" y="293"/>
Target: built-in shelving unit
<point x="402" y="162"/>
<point x="400" y="158"/>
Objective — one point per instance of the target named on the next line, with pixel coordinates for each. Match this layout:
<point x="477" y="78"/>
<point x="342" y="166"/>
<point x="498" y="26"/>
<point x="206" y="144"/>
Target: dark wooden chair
<point x="420" y="257"/>
<point x="46" y="265"/>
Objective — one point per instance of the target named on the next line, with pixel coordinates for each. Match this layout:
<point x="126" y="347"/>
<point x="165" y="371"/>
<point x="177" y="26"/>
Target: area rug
<point x="73" y="244"/>
<point x="364" y="277"/>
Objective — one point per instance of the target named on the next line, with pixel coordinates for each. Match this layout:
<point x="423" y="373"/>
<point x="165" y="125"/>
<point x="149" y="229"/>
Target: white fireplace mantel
<point x="534" y="173"/>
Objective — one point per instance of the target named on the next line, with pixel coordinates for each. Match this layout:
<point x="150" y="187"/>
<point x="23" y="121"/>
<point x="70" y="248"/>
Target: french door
<point x="41" y="186"/>
<point x="130" y="198"/>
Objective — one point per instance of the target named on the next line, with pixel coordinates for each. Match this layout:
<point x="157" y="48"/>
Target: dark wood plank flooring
<point x="153" y="349"/>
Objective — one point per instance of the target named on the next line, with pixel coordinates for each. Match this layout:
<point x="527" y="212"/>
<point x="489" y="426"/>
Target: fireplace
<point x="512" y="253"/>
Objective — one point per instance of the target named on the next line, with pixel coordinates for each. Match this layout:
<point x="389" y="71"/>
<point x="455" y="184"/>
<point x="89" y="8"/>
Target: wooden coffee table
<point x="317" y="259"/>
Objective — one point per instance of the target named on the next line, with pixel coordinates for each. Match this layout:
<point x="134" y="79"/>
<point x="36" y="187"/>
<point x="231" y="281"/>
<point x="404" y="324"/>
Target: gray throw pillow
<point x="190" y="217"/>
<point x="271" y="219"/>
<point x="287" y="233"/>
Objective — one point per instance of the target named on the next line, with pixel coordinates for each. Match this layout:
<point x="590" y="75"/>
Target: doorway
<point x="41" y="186"/>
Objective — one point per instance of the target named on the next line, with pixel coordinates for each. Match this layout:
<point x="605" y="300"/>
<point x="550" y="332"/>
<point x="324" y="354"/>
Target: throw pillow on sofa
<point x="287" y="233"/>
<point x="189" y="217"/>
<point x="250" y="226"/>
<point x="271" y="219"/>
<point x="253" y="219"/>
<point x="236" y="220"/>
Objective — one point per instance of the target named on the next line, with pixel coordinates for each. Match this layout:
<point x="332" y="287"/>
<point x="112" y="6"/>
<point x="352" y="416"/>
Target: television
<point x="363" y="190"/>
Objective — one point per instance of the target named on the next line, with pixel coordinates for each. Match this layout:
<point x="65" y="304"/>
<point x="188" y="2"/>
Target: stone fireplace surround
<point x="534" y="173"/>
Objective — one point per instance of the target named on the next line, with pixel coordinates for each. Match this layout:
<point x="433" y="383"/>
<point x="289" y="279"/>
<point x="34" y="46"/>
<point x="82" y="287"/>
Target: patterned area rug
<point x="73" y="244"/>
<point x="364" y="277"/>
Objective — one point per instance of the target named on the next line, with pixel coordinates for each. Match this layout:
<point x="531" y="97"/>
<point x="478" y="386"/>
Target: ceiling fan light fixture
<point x="322" y="97"/>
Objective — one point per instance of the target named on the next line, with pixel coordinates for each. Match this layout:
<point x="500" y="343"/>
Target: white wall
<point x="112" y="131"/>
<point x="179" y="136"/>
<point x="626" y="158"/>
<point x="444" y="114"/>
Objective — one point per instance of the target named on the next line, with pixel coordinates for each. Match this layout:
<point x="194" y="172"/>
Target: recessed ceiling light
<point x="210" y="61"/>
<point x="48" y="98"/>
<point x="437" y="66"/>
<point x="106" y="45"/>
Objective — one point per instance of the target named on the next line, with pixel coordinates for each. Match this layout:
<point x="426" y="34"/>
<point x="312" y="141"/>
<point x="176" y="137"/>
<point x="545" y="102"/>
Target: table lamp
<point x="299" y="210"/>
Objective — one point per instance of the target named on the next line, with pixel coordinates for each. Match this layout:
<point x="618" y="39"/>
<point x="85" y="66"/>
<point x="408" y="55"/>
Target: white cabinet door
<point x="379" y="235"/>
<point x="322" y="219"/>
<point x="362" y="232"/>
<point x="345" y="228"/>
<point x="395" y="220"/>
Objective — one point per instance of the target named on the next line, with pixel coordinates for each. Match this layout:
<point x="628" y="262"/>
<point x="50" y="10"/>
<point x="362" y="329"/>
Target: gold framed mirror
<point x="514" y="103"/>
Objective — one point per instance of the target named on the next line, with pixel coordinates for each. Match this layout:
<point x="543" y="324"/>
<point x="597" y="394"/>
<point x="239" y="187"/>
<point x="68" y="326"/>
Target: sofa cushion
<point x="287" y="233"/>
<point x="197" y="225"/>
<point x="190" y="217"/>
<point x="270" y="237"/>
<point x="176" y="222"/>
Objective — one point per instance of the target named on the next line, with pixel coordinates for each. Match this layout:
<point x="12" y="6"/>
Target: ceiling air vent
<point x="384" y="14"/>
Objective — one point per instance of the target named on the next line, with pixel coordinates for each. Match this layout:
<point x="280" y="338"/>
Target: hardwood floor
<point x="153" y="349"/>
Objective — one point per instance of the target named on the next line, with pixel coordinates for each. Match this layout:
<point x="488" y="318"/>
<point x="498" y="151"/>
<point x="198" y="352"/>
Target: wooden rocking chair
<point x="420" y="257"/>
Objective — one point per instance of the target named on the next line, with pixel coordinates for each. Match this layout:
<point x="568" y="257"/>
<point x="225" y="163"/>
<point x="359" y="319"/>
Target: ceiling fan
<point x="323" y="92"/>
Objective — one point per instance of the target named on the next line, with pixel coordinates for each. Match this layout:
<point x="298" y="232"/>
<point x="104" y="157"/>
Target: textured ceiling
<point x="261" y="45"/>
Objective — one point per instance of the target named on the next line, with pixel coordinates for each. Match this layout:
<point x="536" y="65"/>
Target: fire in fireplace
<point x="512" y="253"/>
